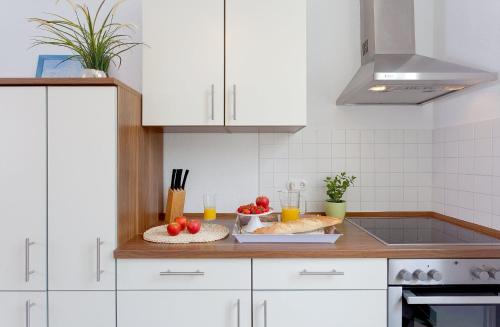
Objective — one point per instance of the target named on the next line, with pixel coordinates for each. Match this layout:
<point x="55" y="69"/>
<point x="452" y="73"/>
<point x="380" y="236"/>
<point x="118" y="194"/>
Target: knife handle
<point x="172" y="181"/>
<point x="184" y="180"/>
<point x="178" y="179"/>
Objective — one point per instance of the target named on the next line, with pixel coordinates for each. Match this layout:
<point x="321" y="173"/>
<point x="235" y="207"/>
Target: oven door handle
<point x="411" y="298"/>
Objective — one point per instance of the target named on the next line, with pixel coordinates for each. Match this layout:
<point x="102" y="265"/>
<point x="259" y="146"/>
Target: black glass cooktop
<point x="398" y="231"/>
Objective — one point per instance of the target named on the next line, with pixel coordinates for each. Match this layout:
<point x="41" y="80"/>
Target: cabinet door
<point x="23" y="309"/>
<point x="266" y="62"/>
<point x="184" y="308"/>
<point x="23" y="188"/>
<point x="320" y="308"/>
<point x="82" y="187"/>
<point x="82" y="309"/>
<point x="183" y="70"/>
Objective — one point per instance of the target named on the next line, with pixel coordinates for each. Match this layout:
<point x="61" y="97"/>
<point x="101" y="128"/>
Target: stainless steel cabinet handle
<point x="411" y="298"/>
<point x="27" y="271"/>
<point x="182" y="273"/>
<point x="212" y="90"/>
<point x="321" y="273"/>
<point x="238" y="308"/>
<point x="234" y="101"/>
<point x="265" y="313"/>
<point x="29" y="305"/>
<point x="99" y="270"/>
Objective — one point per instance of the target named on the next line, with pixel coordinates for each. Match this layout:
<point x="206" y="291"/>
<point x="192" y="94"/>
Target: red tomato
<point x="181" y="221"/>
<point x="246" y="211"/>
<point x="262" y="201"/>
<point x="193" y="226"/>
<point x="173" y="229"/>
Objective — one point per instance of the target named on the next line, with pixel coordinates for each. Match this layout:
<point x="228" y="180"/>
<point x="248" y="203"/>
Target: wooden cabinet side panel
<point x="140" y="169"/>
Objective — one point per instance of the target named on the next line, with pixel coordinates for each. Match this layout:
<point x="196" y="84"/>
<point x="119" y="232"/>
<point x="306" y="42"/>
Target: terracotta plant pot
<point x="333" y="209"/>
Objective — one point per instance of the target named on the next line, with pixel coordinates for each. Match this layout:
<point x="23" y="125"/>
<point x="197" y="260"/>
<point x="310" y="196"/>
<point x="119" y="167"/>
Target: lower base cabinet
<point x="352" y="308"/>
<point x="82" y="309"/>
<point x="23" y="309"/>
<point x="184" y="308"/>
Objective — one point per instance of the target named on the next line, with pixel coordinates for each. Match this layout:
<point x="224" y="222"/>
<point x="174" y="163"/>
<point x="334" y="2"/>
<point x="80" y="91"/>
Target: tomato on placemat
<point x="174" y="229"/>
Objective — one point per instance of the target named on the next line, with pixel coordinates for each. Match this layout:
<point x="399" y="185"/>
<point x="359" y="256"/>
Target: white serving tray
<point x="313" y="237"/>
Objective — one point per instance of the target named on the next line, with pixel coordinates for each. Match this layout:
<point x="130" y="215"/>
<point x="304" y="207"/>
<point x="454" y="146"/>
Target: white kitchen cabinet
<point x="319" y="274"/>
<point x="23" y="189"/>
<point x="327" y="308"/>
<point x="266" y="73"/>
<point x="23" y="309"/>
<point x="184" y="308"/>
<point x="236" y="64"/>
<point x="184" y="274"/>
<point x="183" y="76"/>
<point x="82" y="309"/>
<point x="319" y="292"/>
<point x="82" y="191"/>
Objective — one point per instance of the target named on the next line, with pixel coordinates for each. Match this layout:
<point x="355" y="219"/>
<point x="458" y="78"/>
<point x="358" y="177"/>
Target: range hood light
<point x="452" y="88"/>
<point x="378" y="88"/>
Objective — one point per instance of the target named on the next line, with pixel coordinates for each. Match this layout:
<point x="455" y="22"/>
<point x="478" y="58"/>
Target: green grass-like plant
<point x="337" y="186"/>
<point x="95" y="41"/>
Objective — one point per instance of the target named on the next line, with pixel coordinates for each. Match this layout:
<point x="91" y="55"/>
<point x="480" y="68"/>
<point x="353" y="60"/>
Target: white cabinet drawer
<point x="184" y="274"/>
<point x="269" y="274"/>
<point x="184" y="309"/>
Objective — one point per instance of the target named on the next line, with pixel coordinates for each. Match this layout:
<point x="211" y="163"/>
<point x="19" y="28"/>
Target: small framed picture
<point x="59" y="66"/>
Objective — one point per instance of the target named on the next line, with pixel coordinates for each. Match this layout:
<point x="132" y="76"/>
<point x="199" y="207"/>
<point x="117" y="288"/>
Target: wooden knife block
<point x="175" y="204"/>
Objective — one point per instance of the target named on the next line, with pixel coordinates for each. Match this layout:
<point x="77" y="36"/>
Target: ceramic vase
<point x="337" y="210"/>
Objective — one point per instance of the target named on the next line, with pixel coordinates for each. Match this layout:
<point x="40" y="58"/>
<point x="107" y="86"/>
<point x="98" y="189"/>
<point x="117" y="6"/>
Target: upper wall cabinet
<point x="266" y="71"/>
<point x="237" y="65"/>
<point x="183" y="70"/>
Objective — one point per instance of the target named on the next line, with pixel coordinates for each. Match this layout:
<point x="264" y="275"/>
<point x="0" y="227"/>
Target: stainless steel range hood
<point x="391" y="72"/>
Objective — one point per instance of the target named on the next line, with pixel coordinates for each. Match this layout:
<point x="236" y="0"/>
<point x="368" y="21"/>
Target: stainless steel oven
<point x="444" y="293"/>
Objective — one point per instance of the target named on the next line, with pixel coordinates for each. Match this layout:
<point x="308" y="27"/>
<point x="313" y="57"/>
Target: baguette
<point x="303" y="225"/>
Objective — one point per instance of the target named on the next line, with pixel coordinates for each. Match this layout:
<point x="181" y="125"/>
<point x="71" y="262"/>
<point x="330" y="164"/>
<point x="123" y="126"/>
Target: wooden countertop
<point x="46" y="81"/>
<point x="355" y="243"/>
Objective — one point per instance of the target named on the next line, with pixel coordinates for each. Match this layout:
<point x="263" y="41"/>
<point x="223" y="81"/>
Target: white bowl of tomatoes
<point x="254" y="211"/>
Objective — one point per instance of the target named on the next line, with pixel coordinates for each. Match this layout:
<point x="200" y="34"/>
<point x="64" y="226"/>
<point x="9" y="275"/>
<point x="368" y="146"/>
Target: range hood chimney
<point x="391" y="72"/>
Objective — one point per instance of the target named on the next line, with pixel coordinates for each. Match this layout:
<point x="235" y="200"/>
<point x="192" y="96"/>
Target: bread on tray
<point x="302" y="225"/>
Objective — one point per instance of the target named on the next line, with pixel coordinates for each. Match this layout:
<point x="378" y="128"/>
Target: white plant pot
<point x="93" y="73"/>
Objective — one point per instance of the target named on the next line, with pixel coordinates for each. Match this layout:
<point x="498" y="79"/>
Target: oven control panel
<point x="443" y="271"/>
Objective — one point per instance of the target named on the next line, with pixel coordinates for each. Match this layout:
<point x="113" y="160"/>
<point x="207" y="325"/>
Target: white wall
<point x="18" y="60"/>
<point x="468" y="32"/>
<point x="359" y="139"/>
<point x="466" y="142"/>
<point x="333" y="58"/>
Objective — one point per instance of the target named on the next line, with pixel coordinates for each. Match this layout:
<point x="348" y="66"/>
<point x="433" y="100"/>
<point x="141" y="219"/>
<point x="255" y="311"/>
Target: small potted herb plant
<point x="335" y="189"/>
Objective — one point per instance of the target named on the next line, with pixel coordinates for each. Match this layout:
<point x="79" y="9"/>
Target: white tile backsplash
<point x="394" y="167"/>
<point x="453" y="170"/>
<point x="469" y="191"/>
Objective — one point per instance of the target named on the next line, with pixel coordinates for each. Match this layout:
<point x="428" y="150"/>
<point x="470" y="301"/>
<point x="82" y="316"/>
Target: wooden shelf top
<point x="355" y="243"/>
<point x="109" y="81"/>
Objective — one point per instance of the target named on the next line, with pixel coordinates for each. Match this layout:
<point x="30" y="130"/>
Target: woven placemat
<point x="207" y="233"/>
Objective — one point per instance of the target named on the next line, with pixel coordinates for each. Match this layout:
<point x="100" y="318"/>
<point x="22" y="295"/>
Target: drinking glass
<point x="290" y="205"/>
<point x="209" y="204"/>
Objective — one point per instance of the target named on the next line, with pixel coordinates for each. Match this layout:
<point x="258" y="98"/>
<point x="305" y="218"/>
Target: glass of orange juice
<point x="290" y="202"/>
<point x="209" y="212"/>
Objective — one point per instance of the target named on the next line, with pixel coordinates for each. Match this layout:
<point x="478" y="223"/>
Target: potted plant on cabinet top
<point x="96" y="42"/>
<point x="335" y="189"/>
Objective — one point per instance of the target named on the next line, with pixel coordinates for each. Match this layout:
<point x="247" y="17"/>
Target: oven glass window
<point x="441" y="313"/>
